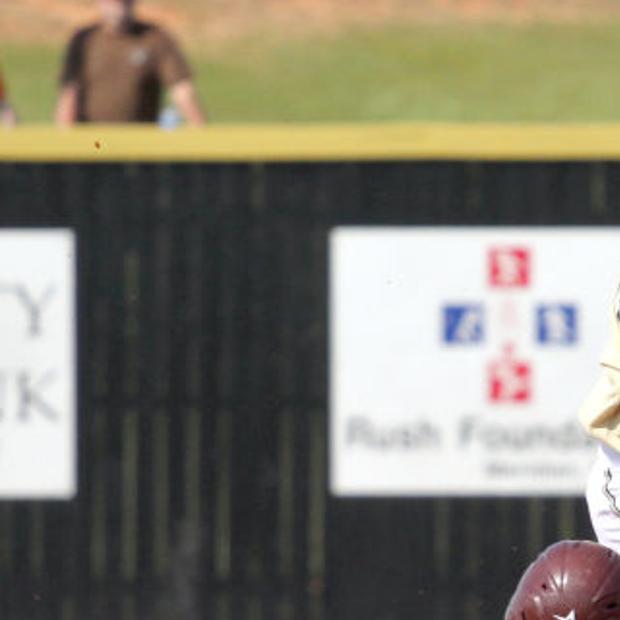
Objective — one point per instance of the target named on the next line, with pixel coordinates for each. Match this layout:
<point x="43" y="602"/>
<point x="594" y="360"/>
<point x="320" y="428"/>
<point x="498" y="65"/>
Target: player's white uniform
<point x="600" y="416"/>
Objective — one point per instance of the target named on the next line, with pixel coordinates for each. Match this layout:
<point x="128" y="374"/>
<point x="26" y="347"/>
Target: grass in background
<point x="501" y="73"/>
<point x="31" y="74"/>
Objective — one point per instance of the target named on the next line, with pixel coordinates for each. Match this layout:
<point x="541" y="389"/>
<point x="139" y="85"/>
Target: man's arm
<point x="68" y="103"/>
<point x="185" y="98"/>
<point x="67" y="106"/>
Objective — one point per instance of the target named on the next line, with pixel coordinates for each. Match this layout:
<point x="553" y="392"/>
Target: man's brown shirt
<point x="120" y="76"/>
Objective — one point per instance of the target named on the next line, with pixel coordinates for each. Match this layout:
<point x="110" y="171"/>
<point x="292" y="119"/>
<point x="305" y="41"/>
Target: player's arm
<point x="600" y="412"/>
<point x="67" y="105"/>
<point x="186" y="100"/>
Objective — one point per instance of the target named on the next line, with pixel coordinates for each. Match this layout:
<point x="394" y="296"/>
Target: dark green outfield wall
<point x="203" y="398"/>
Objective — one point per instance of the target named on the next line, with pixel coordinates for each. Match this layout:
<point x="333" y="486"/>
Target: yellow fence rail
<point x="313" y="142"/>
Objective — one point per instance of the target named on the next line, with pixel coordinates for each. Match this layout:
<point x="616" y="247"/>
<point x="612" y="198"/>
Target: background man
<point x="115" y="71"/>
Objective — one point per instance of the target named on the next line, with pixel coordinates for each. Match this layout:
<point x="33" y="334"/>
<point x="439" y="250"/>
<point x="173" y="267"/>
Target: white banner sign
<point x="37" y="364"/>
<point x="459" y="357"/>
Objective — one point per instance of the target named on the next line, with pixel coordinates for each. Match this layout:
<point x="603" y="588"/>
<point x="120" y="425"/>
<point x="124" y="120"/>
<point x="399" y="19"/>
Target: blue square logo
<point x="463" y="324"/>
<point x="556" y="324"/>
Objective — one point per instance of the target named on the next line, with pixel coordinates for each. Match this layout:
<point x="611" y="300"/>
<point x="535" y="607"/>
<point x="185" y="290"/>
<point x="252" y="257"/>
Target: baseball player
<point x="600" y="416"/>
<point x="570" y="580"/>
<point x="7" y="114"/>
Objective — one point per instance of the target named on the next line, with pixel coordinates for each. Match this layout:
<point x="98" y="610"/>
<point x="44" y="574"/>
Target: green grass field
<point x="502" y="73"/>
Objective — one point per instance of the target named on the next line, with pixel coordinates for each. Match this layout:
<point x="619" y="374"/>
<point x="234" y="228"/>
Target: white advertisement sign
<point x="459" y="357"/>
<point x="37" y="364"/>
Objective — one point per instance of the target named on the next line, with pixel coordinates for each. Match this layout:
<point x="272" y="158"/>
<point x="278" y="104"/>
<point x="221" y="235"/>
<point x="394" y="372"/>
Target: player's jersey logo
<point x="556" y="324"/>
<point x="571" y="616"/>
<point x="463" y="324"/>
<point x="509" y="379"/>
<point x="509" y="267"/>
